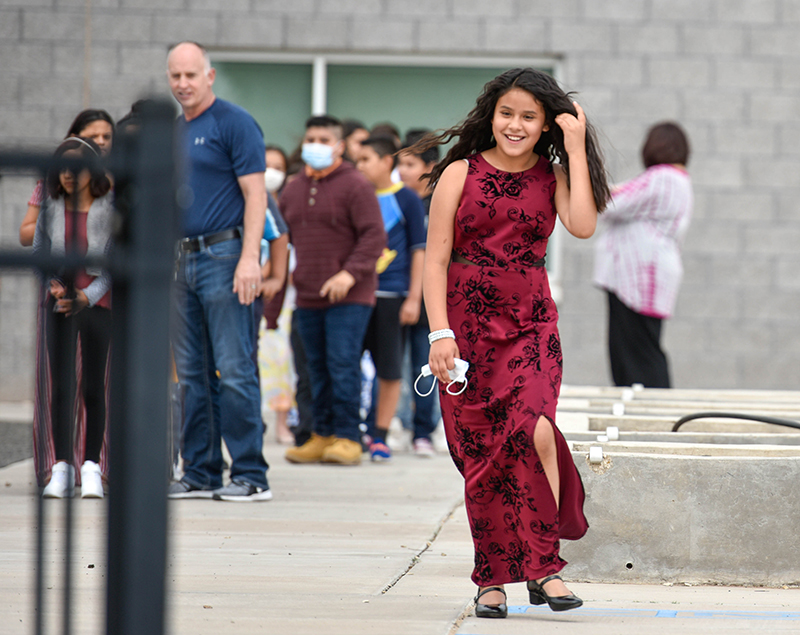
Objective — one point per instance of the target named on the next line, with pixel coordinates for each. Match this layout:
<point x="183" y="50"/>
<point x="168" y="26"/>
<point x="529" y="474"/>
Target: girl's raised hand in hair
<point x="574" y="129"/>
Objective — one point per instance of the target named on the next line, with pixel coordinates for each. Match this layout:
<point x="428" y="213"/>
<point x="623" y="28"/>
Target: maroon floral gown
<point x="506" y="327"/>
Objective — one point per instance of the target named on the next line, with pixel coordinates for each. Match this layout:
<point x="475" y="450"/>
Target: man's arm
<point x="247" y="278"/>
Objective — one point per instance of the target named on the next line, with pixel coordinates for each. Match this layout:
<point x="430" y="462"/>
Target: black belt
<point x="196" y="243"/>
<point x="463" y="261"/>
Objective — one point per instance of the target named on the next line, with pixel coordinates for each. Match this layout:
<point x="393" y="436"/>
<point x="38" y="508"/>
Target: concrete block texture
<point x="175" y="27"/>
<point x="569" y="35"/>
<point x="315" y="33"/>
<point x="612" y="70"/>
<point x="693" y="519"/>
<point x="741" y="73"/>
<point x="231" y="6"/>
<point x="380" y="34"/>
<point x="53" y="25"/>
<point x="749" y="11"/>
<point x="616" y="10"/>
<point x="10" y="24"/>
<point x="281" y="7"/>
<point x="350" y="7"/>
<point x="679" y="72"/>
<point x="477" y="8"/>
<point x="248" y="30"/>
<point x="678" y="10"/>
<point x="710" y="39"/>
<point x="118" y="26"/>
<point x="650" y="39"/>
<point x="527" y="37"/>
<point x="451" y="35"/>
<point x="419" y="8"/>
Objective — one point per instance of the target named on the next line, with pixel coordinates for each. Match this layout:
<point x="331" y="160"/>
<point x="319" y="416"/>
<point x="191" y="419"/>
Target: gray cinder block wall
<point x="728" y="70"/>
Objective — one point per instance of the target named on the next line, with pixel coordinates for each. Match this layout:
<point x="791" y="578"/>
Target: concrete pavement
<point x="371" y="549"/>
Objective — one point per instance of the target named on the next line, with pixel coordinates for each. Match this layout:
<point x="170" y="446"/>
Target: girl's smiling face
<point x="73" y="183"/>
<point x="518" y="122"/>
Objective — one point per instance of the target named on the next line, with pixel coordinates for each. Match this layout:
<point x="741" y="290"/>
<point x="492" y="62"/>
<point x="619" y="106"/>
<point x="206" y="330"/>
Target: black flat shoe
<point x="555" y="602"/>
<point x="490" y="610"/>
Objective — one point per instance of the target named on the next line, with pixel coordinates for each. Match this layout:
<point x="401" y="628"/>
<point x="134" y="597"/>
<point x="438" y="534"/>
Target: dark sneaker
<point x="182" y="489"/>
<point x="241" y="492"/>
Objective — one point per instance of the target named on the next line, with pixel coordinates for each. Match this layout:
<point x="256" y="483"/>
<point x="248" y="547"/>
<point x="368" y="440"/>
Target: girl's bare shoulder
<point x="454" y="175"/>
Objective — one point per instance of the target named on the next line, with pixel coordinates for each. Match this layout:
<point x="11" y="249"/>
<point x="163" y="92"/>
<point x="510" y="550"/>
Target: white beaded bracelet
<point x="440" y="335"/>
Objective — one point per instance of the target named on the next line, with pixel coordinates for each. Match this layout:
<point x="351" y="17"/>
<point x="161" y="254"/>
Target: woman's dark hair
<point x="666" y="142"/>
<point x="280" y="151"/>
<point x="99" y="185"/>
<point x="474" y="134"/>
<point x="349" y="126"/>
<point x="85" y="117"/>
<point x="413" y="136"/>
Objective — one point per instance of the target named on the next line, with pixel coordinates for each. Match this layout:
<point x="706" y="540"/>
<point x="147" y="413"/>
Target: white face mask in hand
<point x="458" y="375"/>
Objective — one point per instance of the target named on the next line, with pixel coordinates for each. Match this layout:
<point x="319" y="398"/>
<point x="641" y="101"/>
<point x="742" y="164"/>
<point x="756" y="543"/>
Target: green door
<point x="279" y="95"/>
<point x="408" y="97"/>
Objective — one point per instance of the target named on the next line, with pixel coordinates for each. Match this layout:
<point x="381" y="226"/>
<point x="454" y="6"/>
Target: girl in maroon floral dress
<point x="497" y="196"/>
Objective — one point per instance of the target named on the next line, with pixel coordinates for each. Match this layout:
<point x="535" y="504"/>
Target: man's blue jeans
<point x="215" y="333"/>
<point x="332" y="339"/>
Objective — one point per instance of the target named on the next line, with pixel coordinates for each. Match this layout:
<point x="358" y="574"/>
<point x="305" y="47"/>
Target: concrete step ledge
<point x="689" y="449"/>
<point x="733" y="438"/>
<point x="654" y="423"/>
<point x="791" y="397"/>
<point x="691" y="519"/>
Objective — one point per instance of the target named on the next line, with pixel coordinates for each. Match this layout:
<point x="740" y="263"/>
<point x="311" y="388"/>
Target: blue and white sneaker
<point x="380" y="452"/>
<point x="241" y="492"/>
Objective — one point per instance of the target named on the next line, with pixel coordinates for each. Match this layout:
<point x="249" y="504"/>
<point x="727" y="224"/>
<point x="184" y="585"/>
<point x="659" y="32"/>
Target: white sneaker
<point x="424" y="448"/>
<point x="91" y="480"/>
<point x="62" y="481"/>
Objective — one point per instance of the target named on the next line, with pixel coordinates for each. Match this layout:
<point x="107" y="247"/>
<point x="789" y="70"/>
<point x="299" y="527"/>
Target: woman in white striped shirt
<point x="638" y="260"/>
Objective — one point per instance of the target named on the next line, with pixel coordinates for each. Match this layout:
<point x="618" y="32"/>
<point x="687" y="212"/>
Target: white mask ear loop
<point x="416" y="390"/>
<point x="457" y="381"/>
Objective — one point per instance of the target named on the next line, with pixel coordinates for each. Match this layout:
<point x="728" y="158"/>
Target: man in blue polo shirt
<point x="217" y="280"/>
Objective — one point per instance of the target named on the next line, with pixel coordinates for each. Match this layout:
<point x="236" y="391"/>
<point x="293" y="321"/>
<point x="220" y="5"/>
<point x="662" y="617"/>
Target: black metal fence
<point x="141" y="264"/>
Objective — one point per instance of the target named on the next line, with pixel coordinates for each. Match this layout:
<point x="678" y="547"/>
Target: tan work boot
<point x="343" y="452"/>
<point x="311" y="451"/>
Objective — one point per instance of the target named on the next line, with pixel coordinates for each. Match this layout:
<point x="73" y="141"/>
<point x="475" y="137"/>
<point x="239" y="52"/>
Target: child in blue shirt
<point x="412" y="168"/>
<point x="399" y="294"/>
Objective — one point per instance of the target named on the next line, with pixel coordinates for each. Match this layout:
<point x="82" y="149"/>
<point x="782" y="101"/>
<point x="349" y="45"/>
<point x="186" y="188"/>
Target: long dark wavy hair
<point x="474" y="134"/>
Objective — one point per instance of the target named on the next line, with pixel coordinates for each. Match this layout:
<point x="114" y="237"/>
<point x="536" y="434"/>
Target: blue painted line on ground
<point x="669" y="614"/>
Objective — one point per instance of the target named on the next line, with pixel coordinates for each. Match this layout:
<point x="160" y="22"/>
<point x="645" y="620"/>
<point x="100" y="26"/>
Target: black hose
<point x="732" y="415"/>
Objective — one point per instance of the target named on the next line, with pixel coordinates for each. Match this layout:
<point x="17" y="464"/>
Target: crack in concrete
<point x="416" y="557"/>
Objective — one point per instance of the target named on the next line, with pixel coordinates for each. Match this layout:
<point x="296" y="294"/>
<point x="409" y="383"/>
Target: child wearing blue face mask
<point x="336" y="228"/>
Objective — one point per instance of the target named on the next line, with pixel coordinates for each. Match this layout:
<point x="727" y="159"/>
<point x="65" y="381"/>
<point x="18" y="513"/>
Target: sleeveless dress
<point x="505" y="321"/>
